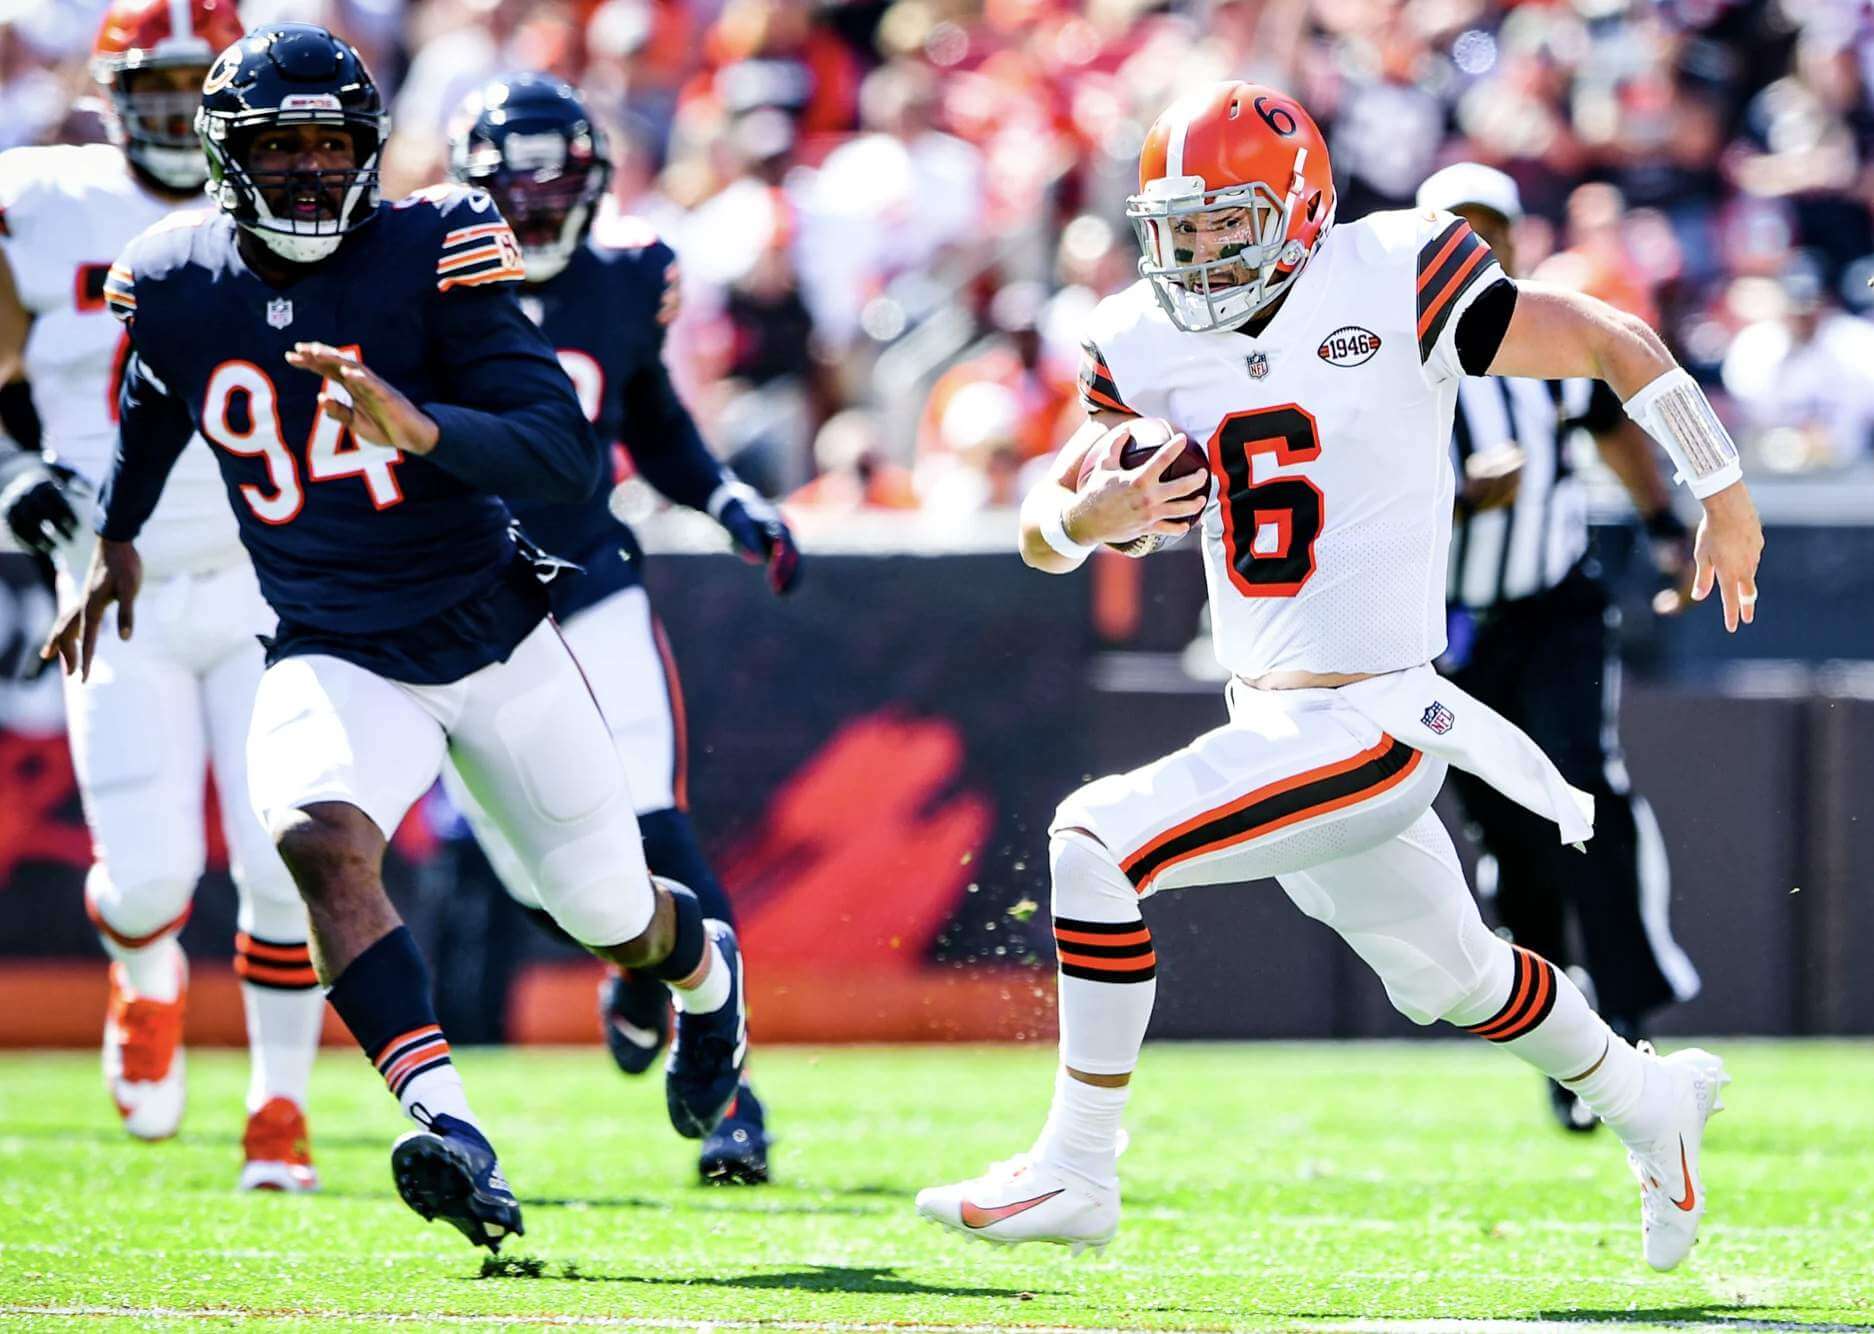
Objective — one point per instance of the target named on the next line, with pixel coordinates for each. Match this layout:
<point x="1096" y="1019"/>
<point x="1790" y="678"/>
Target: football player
<point x="1318" y="365"/>
<point x="371" y="387"/>
<point x="156" y="711"/>
<point x="603" y="302"/>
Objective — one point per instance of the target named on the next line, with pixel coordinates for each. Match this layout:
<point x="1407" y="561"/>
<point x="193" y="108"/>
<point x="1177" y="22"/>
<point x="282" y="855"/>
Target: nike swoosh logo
<point x="974" y="1216"/>
<point x="637" y="1037"/>
<point x="1690" y="1201"/>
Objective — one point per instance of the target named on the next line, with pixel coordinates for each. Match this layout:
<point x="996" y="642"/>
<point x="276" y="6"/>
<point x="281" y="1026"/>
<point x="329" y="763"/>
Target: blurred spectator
<point x="855" y="472"/>
<point x="1799" y="374"/>
<point x="1597" y="260"/>
<point x="978" y="464"/>
<point x="1039" y="387"/>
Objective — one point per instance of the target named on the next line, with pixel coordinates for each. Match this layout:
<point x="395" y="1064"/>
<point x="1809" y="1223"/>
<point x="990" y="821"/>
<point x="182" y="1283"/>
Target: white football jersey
<point x="66" y="212"/>
<point x="1329" y="440"/>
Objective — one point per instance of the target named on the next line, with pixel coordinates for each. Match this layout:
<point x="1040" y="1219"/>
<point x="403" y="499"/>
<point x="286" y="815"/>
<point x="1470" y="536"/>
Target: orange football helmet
<point x="159" y="123"/>
<point x="1247" y="166"/>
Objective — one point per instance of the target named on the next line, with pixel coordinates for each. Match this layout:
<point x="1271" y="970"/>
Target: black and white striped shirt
<point x="1520" y="549"/>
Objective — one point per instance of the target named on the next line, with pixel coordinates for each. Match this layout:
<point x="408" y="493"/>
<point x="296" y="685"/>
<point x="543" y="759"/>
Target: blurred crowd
<point x="893" y="214"/>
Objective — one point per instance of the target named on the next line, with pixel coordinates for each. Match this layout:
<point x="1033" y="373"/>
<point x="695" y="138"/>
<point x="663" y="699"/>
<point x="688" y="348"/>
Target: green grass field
<point x="1275" y="1186"/>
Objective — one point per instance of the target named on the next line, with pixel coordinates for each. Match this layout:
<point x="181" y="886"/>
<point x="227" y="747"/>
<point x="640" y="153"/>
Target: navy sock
<point x="686" y="955"/>
<point x="383" y="997"/>
<point x="671" y="850"/>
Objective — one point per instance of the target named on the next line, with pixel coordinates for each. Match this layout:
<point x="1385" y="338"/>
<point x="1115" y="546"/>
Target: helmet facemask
<point x="547" y="195"/>
<point x="1257" y="257"/>
<point x="158" y="123"/>
<point x="348" y="196"/>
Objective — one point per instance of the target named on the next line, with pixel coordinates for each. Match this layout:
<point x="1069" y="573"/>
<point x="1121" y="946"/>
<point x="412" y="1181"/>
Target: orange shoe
<point x="143" y="1065"/>
<point x="279" y="1152"/>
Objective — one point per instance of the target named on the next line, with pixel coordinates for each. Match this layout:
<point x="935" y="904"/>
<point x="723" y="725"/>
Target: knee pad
<point x="1440" y="972"/>
<point x="1088" y="884"/>
<point x="672" y="853"/>
<point x="597" y="889"/>
<point x="138" y="912"/>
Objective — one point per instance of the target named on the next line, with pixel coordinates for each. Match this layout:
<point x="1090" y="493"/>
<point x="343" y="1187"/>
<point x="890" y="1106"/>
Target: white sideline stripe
<point x="1434" y="1326"/>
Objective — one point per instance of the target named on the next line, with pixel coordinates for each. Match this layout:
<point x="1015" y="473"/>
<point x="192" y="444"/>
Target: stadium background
<point x="890" y="218"/>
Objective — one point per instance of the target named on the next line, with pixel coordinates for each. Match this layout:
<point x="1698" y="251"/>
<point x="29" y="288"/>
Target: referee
<point x="1532" y="635"/>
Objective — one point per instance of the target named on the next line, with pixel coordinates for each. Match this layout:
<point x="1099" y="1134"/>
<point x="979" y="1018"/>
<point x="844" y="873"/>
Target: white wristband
<point x="1675" y="412"/>
<point x="1053" y="526"/>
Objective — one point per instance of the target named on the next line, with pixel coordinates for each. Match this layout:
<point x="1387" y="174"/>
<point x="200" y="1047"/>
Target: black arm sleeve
<point x="1482" y="326"/>
<point x="511" y="423"/>
<point x="18" y="417"/>
<point x="153" y="428"/>
<point x="664" y="442"/>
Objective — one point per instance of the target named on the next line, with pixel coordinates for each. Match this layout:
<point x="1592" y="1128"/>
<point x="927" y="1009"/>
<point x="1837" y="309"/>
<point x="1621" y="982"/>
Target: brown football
<point x="1144" y="436"/>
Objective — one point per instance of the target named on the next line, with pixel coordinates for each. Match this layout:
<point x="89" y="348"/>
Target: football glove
<point x="759" y="533"/>
<point x="34" y="504"/>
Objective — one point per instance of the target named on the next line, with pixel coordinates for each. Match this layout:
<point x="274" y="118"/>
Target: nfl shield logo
<point x="1438" y="718"/>
<point x="280" y="312"/>
<point x="1258" y="365"/>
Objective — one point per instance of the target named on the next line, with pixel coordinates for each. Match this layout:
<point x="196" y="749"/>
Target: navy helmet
<point x="528" y="140"/>
<point x="287" y="74"/>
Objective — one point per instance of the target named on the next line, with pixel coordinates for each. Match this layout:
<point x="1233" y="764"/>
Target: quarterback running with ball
<point x="1318" y="365"/>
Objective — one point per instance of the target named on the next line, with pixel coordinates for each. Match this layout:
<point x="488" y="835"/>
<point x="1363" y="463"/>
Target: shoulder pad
<point x="474" y="246"/>
<point x="153" y="253"/>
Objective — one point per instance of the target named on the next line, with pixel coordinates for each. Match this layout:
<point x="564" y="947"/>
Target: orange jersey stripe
<point x="1456" y="285"/>
<point x="1427" y="270"/>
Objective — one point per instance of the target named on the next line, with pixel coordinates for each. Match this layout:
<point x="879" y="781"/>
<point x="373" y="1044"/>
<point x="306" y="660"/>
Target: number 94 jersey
<point x="1329" y="439"/>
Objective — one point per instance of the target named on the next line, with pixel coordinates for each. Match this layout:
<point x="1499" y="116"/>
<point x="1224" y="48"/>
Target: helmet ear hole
<point x="1314" y="205"/>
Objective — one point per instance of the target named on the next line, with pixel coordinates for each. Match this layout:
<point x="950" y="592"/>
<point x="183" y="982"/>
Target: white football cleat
<point x="1026" y="1199"/>
<point x="143" y="1065"/>
<point x="1672" y="1198"/>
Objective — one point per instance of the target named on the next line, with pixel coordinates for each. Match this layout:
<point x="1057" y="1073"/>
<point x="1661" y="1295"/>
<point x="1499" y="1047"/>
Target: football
<point x="1143" y="438"/>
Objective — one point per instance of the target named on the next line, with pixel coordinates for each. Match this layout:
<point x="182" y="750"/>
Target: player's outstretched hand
<point x="1729" y="544"/>
<point x="116" y="574"/>
<point x="761" y="535"/>
<point x="1116" y="504"/>
<point x="377" y="413"/>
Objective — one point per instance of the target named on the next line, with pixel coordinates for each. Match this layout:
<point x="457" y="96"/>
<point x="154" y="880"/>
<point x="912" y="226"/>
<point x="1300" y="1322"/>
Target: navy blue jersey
<point x="600" y="314"/>
<point x="355" y="544"/>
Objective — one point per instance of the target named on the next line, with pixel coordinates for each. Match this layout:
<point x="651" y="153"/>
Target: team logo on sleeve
<point x="1258" y="365"/>
<point x="1349" y="345"/>
<point x="280" y="312"/>
<point x="1438" y="719"/>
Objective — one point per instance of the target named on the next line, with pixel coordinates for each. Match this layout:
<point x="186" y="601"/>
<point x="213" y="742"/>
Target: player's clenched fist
<point x="377" y="413"/>
<point x="1119" y="498"/>
<point x="115" y="576"/>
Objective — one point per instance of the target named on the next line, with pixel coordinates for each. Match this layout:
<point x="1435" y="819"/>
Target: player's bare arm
<point x="1113" y="505"/>
<point x="377" y="413"/>
<point x="1554" y="333"/>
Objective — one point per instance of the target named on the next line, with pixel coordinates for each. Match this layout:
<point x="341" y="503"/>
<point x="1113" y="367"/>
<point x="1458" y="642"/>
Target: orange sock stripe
<point x="273" y="975"/>
<point x="385" y="1052"/>
<point x="271" y="950"/>
<point x="429" y="1051"/>
<point x="1142" y="936"/>
<point x="1130" y="964"/>
<point x="1532" y="998"/>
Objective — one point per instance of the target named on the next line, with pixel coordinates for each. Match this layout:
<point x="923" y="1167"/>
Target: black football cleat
<point x="449" y="1171"/>
<point x="708" y="1051"/>
<point x="634" y="1013"/>
<point x="735" y="1153"/>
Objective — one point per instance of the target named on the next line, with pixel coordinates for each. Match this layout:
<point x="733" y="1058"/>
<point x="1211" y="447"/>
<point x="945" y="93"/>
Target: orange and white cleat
<point x="279" y="1151"/>
<point x="143" y="1065"/>
<point x="1672" y="1195"/>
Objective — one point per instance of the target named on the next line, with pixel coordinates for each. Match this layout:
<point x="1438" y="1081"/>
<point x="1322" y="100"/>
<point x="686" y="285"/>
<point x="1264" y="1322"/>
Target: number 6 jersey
<point x="1329" y="436"/>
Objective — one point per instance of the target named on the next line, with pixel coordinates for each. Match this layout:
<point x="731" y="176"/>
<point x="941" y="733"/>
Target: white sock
<point x="1618" y="1090"/>
<point x="710" y="994"/>
<point x="151" y="971"/>
<point x="1082" y="1133"/>
<point x="437" y="1092"/>
<point x="282" y="1039"/>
